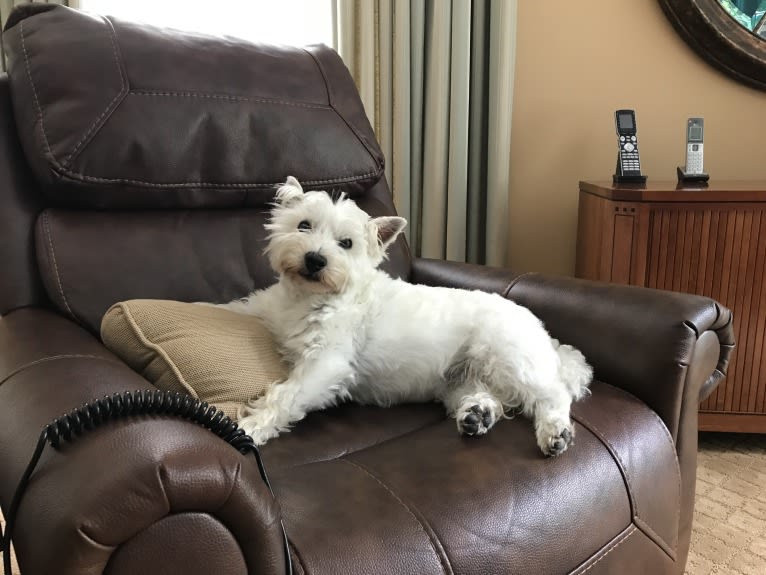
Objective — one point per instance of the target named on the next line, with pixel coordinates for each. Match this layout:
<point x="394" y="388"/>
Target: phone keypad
<point x="694" y="159"/>
<point x="629" y="159"/>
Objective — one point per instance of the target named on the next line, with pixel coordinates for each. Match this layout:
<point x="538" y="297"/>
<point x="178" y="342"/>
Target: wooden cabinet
<point x="709" y="241"/>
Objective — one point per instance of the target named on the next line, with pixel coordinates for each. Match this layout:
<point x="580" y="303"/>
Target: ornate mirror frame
<point x="719" y="39"/>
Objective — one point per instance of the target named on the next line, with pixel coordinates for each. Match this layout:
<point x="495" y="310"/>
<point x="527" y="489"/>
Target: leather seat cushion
<point x="372" y="490"/>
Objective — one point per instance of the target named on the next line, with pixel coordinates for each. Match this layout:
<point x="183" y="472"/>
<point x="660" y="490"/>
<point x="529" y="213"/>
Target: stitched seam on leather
<point x="654" y="536"/>
<point x="624" y="470"/>
<point x="111" y="106"/>
<point x="213" y="96"/>
<point x="327" y="92"/>
<point x="439" y="550"/>
<point x="62" y="168"/>
<point x="676" y="466"/>
<point x="514" y="281"/>
<point x="668" y="437"/>
<point x="614" y="546"/>
<point x="49" y="235"/>
<point x="341" y="116"/>
<point x="79" y="176"/>
<point x="297" y="556"/>
<point x="52" y="358"/>
<point x="663" y="427"/>
<point x="34" y="92"/>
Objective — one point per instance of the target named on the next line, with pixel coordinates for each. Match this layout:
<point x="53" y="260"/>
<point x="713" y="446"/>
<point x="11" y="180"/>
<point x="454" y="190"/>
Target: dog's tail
<point x="574" y="370"/>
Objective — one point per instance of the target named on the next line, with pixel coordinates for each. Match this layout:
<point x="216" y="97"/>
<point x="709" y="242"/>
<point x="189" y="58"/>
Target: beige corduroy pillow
<point x="211" y="353"/>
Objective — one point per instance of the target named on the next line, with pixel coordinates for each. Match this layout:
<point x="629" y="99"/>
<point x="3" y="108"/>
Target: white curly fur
<point x="349" y="331"/>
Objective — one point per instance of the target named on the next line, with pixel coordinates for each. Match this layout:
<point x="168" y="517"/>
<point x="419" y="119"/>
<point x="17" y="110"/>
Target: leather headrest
<point x="114" y="114"/>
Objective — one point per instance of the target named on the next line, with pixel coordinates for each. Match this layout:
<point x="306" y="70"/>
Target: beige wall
<point x="576" y="63"/>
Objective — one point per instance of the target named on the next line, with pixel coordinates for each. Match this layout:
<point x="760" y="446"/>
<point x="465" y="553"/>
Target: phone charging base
<point x="635" y="179"/>
<point x="695" y="178"/>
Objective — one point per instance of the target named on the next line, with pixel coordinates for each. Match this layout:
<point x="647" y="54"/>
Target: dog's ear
<point x="387" y="229"/>
<point x="289" y="192"/>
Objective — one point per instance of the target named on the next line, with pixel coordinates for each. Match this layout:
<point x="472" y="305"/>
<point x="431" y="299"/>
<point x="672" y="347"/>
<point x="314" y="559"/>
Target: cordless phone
<point x="628" y="163"/>
<point x="694" y="133"/>
<point x="693" y="172"/>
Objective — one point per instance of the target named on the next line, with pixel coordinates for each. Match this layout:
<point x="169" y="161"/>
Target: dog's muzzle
<point x="313" y="263"/>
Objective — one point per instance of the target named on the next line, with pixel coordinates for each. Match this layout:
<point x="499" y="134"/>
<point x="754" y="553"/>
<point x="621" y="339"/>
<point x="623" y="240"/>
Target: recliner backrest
<point x="157" y="154"/>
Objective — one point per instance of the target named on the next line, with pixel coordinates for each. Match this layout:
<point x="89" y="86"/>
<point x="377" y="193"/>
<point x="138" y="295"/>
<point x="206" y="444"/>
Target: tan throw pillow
<point x="211" y="353"/>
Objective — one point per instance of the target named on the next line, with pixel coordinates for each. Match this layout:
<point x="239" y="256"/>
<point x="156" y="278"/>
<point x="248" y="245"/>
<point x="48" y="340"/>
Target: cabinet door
<point x="719" y="250"/>
<point x="611" y="240"/>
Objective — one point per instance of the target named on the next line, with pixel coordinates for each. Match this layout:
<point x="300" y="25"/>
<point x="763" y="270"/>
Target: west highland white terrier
<point x="350" y="332"/>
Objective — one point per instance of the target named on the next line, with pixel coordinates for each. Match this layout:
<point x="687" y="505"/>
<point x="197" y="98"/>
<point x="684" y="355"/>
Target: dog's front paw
<point x="475" y="419"/>
<point x="257" y="430"/>
<point x="554" y="438"/>
<point x="262" y="435"/>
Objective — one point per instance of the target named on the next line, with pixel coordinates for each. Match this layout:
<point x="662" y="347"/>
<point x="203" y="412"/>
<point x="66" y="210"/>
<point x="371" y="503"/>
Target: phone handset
<point x="694" y="143"/>
<point x="694" y="171"/>
<point x="628" y="161"/>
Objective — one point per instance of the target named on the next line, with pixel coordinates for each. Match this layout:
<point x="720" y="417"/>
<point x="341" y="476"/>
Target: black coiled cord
<point x="148" y="402"/>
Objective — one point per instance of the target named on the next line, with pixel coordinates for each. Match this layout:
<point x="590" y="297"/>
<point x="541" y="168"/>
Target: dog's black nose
<point x="314" y="262"/>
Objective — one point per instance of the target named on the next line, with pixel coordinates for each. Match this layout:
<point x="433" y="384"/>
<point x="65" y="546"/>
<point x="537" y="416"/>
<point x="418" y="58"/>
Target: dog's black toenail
<point x="472" y="418"/>
<point x="476" y="409"/>
<point x="567" y="435"/>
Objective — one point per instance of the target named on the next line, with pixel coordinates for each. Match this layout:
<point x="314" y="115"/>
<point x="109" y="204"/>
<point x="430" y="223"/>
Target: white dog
<point x="349" y="331"/>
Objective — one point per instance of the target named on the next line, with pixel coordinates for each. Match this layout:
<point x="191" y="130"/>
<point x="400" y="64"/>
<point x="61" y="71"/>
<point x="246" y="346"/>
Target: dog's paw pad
<point x="475" y="420"/>
<point x="557" y="444"/>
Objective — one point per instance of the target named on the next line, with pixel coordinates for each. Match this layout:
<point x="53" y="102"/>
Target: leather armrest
<point x="463" y="275"/>
<point x="144" y="494"/>
<point x="642" y="340"/>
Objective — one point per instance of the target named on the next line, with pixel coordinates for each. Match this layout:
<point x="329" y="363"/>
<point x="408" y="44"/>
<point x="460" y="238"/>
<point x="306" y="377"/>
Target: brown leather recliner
<point x="138" y="163"/>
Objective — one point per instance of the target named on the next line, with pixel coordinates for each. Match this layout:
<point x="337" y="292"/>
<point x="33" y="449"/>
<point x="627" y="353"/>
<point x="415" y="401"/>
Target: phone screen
<point x="695" y="133"/>
<point x="625" y="121"/>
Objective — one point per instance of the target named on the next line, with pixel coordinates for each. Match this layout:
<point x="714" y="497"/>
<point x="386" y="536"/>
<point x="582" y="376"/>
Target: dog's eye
<point x="304" y="226"/>
<point x="345" y="243"/>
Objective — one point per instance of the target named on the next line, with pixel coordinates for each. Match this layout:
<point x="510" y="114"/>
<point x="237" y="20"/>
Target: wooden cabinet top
<point x="671" y="191"/>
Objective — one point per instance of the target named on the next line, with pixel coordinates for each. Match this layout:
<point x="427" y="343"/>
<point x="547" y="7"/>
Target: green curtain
<point x="7" y="5"/>
<point x="436" y="78"/>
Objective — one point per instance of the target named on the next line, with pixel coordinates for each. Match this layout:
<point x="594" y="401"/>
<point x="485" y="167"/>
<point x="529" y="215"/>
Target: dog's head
<point x="324" y="245"/>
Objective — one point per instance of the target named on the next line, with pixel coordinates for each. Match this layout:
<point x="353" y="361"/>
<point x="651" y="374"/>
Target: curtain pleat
<point x="401" y="160"/>
<point x="417" y="66"/>
<point x="385" y="80"/>
<point x="441" y="109"/>
<point x="454" y="239"/>
<point x="436" y="131"/>
<point x="502" y="58"/>
<point x="477" y="143"/>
